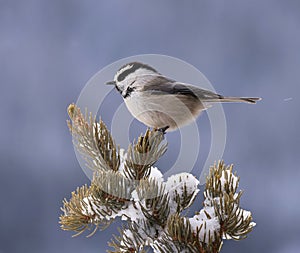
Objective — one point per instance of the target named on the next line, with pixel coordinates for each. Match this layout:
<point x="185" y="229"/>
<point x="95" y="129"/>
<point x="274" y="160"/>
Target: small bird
<point x="162" y="103"/>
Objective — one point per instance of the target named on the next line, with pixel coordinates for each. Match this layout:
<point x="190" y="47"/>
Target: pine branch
<point x="131" y="239"/>
<point x="143" y="154"/>
<point x="220" y="192"/>
<point x="112" y="189"/>
<point x="179" y="229"/>
<point x="127" y="186"/>
<point x="221" y="180"/>
<point x="93" y="141"/>
<point x="154" y="201"/>
<point x="183" y="189"/>
<point x="193" y="239"/>
<point x="76" y="218"/>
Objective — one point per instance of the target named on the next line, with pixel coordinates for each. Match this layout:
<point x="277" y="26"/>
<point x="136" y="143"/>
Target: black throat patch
<point x="129" y="90"/>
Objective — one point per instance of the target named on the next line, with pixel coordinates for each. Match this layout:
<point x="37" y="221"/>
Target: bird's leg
<point x="163" y="129"/>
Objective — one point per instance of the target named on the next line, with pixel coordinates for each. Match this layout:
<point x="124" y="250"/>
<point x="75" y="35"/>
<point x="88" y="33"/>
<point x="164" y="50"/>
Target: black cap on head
<point x="134" y="67"/>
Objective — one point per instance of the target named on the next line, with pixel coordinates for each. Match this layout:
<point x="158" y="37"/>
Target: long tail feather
<point x="222" y="99"/>
<point x="240" y="99"/>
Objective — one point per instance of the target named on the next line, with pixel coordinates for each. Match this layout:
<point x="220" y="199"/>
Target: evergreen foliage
<point x="126" y="185"/>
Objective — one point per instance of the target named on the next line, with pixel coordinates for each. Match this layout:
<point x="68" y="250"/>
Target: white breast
<point x="159" y="111"/>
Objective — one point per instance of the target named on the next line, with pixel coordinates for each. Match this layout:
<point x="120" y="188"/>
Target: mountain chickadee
<point x="163" y="103"/>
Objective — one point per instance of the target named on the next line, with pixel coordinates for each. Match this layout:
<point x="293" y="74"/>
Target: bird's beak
<point x="111" y="83"/>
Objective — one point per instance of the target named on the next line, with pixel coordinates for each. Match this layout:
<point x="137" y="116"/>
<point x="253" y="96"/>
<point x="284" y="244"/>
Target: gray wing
<point x="162" y="86"/>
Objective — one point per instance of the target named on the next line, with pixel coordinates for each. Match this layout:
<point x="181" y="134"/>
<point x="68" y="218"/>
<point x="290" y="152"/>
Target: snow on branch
<point x="126" y="185"/>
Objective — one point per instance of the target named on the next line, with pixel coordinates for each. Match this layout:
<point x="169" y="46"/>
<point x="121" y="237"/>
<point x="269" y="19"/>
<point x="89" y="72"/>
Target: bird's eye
<point x="130" y="89"/>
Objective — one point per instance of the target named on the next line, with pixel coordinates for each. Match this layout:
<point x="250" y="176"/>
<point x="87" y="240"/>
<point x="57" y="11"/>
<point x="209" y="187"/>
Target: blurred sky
<point x="48" y="51"/>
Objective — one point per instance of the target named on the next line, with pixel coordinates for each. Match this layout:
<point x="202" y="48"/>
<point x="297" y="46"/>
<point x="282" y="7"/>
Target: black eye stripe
<point x="136" y="65"/>
<point x="118" y="89"/>
<point x="128" y="91"/>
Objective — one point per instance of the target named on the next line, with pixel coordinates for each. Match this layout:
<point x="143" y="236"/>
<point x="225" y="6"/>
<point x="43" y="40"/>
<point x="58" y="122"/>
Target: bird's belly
<point x="159" y="111"/>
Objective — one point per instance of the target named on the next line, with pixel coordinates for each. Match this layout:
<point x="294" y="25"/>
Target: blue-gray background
<point x="49" y="49"/>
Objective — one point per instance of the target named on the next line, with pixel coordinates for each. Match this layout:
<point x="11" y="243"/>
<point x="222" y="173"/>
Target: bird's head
<point x="128" y="74"/>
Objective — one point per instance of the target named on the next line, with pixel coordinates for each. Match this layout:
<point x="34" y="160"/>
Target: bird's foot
<point x="163" y="129"/>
